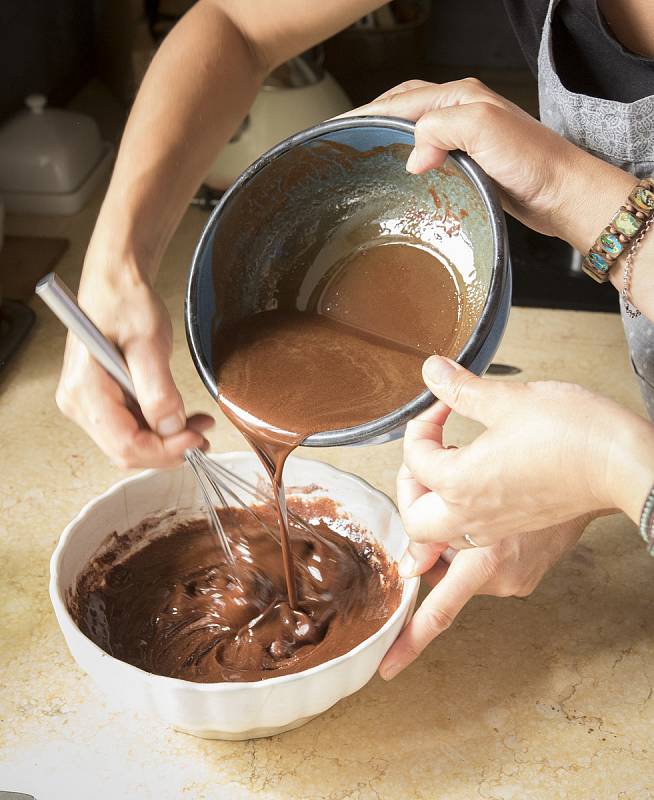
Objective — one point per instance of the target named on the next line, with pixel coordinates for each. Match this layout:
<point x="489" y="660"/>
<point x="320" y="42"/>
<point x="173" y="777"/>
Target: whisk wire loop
<point x="195" y="462"/>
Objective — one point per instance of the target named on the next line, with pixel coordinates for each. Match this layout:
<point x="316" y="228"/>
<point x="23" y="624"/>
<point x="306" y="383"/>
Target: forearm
<point x="198" y="88"/>
<point x="196" y="92"/>
<point x="593" y="193"/>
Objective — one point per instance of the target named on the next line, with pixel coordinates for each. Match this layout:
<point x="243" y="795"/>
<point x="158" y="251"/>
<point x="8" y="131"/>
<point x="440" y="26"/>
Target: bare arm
<point x="197" y="90"/>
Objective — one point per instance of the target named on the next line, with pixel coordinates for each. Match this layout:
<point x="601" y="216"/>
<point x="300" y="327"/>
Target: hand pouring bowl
<point x="315" y="198"/>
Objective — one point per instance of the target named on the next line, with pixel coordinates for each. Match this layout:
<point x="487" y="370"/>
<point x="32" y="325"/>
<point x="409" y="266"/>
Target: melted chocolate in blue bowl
<point x="315" y="201"/>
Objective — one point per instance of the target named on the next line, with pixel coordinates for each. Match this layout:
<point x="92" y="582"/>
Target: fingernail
<point x="388" y="671"/>
<point x="413" y="161"/>
<point x="407" y="566"/>
<point x="171" y="425"/>
<point x="200" y="425"/>
<point x="437" y="370"/>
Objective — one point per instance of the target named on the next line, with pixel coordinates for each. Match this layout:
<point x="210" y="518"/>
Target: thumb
<point x="419" y="558"/>
<point x="158" y="397"/>
<point x="461" y="581"/>
<point x="459" y="389"/>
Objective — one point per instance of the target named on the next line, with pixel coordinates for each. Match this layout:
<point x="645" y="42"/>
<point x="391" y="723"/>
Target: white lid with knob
<point x="46" y="150"/>
<point x="36" y="103"/>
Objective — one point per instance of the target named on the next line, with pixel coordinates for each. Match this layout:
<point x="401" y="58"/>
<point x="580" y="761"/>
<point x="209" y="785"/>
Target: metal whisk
<point x="226" y="485"/>
<point x="211" y="477"/>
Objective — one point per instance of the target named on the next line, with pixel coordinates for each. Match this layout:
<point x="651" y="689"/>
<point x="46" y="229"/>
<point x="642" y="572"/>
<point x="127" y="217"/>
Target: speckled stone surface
<point x="548" y="697"/>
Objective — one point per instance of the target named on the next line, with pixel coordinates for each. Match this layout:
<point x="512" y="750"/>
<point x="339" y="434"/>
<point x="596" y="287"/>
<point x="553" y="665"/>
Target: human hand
<point x="550" y="452"/>
<point x="512" y="567"/>
<point x="545" y="181"/>
<point x="127" y="310"/>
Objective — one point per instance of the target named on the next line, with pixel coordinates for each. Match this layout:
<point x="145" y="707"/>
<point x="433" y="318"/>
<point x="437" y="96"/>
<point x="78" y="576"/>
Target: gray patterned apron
<point x="620" y="133"/>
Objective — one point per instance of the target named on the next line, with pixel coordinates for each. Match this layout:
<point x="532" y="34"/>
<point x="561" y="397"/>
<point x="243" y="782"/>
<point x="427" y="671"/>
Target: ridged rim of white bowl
<point x="409" y="589"/>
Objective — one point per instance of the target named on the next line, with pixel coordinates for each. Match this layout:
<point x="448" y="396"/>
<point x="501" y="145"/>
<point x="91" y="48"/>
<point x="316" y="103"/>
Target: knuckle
<point x="524" y="590"/>
<point x="448" y="478"/>
<point x="423" y="126"/>
<point x="491" y="567"/>
<point x="437" y="620"/>
<point x="121" y="463"/>
<point x="557" y="389"/>
<point x="412" y="652"/>
<point x="151" y="330"/>
<point x="458" y="387"/>
<point x="158" y="327"/>
<point x="502" y="557"/>
<point x="412" y="83"/>
<point x="494" y="559"/>
<point x="405" y="86"/>
<point x="123" y="454"/>
<point x="471" y="80"/>
<point x="412" y="428"/>
<point x="153" y="342"/>
<point x="158" y="403"/>
<point x="415" y="528"/>
<point x="388" y="98"/>
<point x="484" y="111"/>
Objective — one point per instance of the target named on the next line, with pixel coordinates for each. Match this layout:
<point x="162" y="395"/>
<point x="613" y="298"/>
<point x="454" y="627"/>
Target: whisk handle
<point x="63" y="303"/>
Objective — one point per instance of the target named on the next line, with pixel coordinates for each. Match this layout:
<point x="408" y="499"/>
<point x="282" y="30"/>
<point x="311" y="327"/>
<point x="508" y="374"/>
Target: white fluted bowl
<point x="225" y="710"/>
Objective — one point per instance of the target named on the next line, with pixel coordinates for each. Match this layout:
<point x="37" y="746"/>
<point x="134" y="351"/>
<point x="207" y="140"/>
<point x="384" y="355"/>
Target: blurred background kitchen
<point x="71" y="70"/>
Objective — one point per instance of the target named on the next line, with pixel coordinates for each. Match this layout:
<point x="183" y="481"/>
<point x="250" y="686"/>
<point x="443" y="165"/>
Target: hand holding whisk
<point x="62" y="302"/>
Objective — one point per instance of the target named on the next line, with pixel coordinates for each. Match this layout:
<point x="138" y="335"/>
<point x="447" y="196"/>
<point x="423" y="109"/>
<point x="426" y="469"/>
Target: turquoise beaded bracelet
<point x="618" y="235"/>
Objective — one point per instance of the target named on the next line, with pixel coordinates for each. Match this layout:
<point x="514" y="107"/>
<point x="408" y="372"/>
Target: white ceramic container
<point x="51" y="160"/>
<point x="225" y="710"/>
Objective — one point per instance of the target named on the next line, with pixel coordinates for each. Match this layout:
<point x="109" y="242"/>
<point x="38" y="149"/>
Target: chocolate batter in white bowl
<point x="228" y="710"/>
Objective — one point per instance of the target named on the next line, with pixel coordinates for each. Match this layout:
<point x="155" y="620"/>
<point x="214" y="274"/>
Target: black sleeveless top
<point x="588" y="58"/>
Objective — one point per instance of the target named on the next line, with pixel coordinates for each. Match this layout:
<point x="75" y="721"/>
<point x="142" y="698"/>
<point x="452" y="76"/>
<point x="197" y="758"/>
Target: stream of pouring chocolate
<point x="354" y="355"/>
<point x="166" y="601"/>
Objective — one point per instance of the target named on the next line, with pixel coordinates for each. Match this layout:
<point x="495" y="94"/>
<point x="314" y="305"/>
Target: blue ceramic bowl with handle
<point x="319" y="195"/>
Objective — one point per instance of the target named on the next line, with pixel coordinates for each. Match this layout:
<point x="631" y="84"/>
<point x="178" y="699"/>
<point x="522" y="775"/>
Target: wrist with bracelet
<point x="623" y="237"/>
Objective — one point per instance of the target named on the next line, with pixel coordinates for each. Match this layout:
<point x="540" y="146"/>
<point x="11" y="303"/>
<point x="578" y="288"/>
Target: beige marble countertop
<point x="548" y="697"/>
